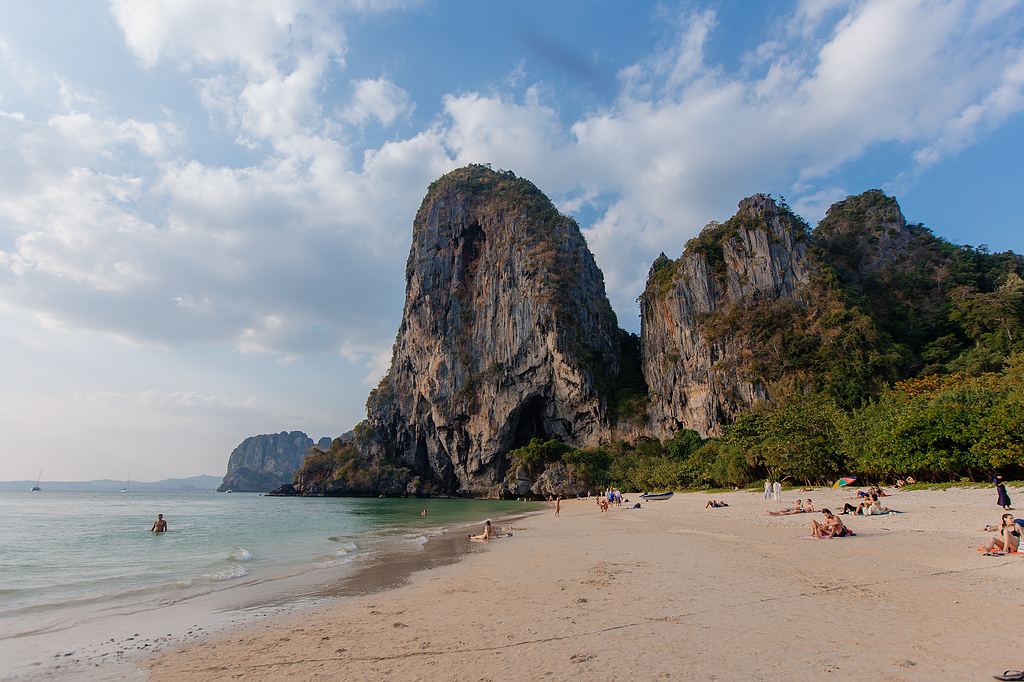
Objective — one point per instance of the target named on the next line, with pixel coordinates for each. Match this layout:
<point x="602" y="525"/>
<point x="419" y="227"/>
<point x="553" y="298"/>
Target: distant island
<point x="264" y="462"/>
<point x="203" y="483"/>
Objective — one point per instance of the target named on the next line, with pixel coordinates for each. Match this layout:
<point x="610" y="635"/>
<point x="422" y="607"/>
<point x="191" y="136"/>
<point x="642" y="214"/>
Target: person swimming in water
<point x="159" y="526"/>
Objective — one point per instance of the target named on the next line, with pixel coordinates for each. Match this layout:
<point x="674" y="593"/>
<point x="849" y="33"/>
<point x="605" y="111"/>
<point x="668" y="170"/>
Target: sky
<point x="206" y="205"/>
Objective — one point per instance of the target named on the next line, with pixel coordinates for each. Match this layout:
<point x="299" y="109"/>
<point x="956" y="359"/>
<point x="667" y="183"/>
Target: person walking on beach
<point x="1002" y="499"/>
<point x="777" y="490"/>
<point x="159" y="526"/>
<point x="767" y="489"/>
<point x="558" y="505"/>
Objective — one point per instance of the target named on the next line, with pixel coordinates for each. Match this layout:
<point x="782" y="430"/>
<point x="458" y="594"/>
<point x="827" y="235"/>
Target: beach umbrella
<point x="845" y="480"/>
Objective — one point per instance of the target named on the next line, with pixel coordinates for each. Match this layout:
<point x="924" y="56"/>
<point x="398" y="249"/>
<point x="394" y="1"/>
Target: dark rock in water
<point x="283" y="491"/>
<point x="262" y="463"/>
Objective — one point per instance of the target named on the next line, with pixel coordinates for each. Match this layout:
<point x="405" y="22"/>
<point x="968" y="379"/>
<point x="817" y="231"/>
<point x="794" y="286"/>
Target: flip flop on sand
<point x="1010" y="675"/>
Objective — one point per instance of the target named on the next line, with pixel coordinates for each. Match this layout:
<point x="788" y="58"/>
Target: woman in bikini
<point x="486" y="535"/>
<point x="1008" y="539"/>
<point x="832" y="528"/>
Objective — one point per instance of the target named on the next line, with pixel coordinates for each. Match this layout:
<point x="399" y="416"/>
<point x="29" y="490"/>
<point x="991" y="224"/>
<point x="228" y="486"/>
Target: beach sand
<point x="672" y="590"/>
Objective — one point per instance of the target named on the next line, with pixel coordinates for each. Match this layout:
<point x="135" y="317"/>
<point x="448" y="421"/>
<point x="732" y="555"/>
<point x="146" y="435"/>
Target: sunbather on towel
<point x="876" y="509"/>
<point x="798" y="508"/>
<point x="714" y="504"/>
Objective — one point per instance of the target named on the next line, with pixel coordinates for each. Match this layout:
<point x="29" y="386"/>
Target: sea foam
<point x="240" y="554"/>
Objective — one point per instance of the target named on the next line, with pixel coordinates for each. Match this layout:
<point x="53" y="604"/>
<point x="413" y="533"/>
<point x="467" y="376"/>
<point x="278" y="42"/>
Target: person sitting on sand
<point x="910" y="480"/>
<point x="899" y="483"/>
<point x="715" y="504"/>
<point x="486" y="535"/>
<point x="423" y="513"/>
<point x="159" y="526"/>
<point x="832" y="528"/>
<point x="1008" y="539"/>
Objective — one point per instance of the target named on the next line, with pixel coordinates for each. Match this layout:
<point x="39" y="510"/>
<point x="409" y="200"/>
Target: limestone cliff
<point x="694" y="351"/>
<point x="262" y="463"/>
<point x="506" y="335"/>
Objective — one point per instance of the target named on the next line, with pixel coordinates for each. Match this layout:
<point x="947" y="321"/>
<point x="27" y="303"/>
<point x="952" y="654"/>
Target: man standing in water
<point x="159" y="526"/>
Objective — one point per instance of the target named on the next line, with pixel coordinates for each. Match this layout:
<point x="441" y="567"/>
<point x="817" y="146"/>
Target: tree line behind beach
<point x="935" y="428"/>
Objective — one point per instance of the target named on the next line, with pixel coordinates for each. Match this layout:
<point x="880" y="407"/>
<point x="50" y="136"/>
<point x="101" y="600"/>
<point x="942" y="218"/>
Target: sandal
<point x="1010" y="675"/>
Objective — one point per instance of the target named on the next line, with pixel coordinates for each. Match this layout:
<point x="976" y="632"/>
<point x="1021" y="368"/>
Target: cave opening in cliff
<point x="530" y="423"/>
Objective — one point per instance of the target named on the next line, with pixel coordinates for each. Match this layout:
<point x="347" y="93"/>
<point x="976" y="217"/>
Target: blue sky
<point x="205" y="207"/>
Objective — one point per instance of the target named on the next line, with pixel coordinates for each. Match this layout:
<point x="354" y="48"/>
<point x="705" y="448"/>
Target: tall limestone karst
<point x="698" y="357"/>
<point x="507" y="335"/>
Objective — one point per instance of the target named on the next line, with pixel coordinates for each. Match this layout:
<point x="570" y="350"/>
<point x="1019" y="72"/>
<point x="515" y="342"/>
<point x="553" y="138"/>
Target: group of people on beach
<point x="869" y="506"/>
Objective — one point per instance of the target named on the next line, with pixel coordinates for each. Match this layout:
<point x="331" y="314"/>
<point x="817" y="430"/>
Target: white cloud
<point x="112" y="226"/>
<point x="378" y="99"/>
<point x="251" y="33"/>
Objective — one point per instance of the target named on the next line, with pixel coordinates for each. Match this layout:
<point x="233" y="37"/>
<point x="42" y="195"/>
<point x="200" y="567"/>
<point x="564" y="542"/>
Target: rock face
<point x="507" y="335"/>
<point x="262" y="463"/>
<point x="692" y="351"/>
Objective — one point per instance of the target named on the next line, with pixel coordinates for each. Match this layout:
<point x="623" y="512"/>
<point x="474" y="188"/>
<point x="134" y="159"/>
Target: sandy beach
<point x="672" y="590"/>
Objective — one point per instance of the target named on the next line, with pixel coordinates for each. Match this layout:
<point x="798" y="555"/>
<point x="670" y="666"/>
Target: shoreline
<point x="668" y="590"/>
<point x="86" y="650"/>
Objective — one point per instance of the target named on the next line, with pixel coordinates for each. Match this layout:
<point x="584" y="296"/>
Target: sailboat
<point x="128" y="485"/>
<point x="36" y="488"/>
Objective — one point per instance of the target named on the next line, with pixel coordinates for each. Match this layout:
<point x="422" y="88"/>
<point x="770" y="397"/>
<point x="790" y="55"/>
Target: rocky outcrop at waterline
<point x="264" y="462"/>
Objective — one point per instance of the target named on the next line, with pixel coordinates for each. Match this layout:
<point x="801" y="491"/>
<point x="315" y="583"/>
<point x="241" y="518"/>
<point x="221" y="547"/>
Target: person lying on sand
<point x="832" y="528"/>
<point x="808" y="507"/>
<point x="1008" y="539"/>
<point x="798" y="508"/>
<point x="876" y="509"/>
<point x="715" y="504"/>
<point x="994" y="528"/>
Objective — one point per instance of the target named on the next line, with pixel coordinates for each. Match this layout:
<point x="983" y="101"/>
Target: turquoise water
<point x="62" y="552"/>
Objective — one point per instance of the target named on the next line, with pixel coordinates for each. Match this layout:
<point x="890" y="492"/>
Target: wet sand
<point x="671" y="590"/>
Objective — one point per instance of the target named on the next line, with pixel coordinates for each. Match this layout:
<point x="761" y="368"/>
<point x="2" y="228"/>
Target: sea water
<point x="72" y="557"/>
